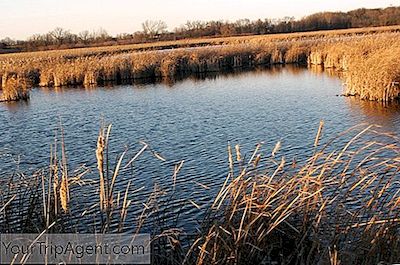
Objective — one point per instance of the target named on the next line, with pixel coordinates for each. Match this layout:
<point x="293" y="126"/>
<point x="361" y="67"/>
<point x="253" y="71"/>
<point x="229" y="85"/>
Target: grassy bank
<point x="94" y="70"/>
<point x="371" y="65"/>
<point x="338" y="206"/>
<point x="362" y="52"/>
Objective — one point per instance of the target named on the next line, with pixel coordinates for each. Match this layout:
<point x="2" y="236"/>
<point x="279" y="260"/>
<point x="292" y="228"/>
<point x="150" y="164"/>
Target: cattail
<point x="276" y="148"/>
<point x="56" y="184"/>
<point x="257" y="160"/>
<point x="230" y="157"/>
<point x="64" y="196"/>
<point x="100" y="165"/>
<point x="238" y="155"/>
<point x="321" y="125"/>
<point x="54" y="175"/>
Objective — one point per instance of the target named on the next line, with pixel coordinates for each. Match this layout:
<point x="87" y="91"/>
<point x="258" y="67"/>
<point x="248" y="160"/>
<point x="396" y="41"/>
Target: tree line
<point x="157" y="30"/>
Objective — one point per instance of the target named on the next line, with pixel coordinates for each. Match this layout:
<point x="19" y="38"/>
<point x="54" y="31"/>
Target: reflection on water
<point x="191" y="118"/>
<point x="319" y="69"/>
<point x="256" y="71"/>
<point x="385" y="114"/>
<point x="15" y="106"/>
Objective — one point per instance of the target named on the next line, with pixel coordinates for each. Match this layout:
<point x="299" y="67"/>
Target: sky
<point x="20" y="19"/>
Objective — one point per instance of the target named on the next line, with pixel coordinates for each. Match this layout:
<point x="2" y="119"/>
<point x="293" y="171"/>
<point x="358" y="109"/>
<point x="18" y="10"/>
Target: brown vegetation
<point x="340" y="205"/>
<point x="185" y="43"/>
<point x="371" y="65"/>
<point x="14" y="87"/>
<point x="370" y="61"/>
<point x="154" y="31"/>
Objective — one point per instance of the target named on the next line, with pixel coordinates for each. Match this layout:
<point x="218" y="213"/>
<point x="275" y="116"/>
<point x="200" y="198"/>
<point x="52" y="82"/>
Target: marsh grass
<point x="368" y="56"/>
<point x="338" y="206"/>
<point x="370" y="65"/>
<point x="15" y="87"/>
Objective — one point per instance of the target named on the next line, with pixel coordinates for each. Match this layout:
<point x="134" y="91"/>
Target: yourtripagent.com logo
<point x="74" y="249"/>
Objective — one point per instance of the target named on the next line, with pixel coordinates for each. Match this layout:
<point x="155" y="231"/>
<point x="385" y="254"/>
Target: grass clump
<point x="338" y="206"/>
<point x="370" y="65"/>
<point x="14" y="87"/>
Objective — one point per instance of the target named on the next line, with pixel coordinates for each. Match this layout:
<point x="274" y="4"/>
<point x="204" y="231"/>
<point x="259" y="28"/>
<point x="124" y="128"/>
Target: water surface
<point x="191" y="120"/>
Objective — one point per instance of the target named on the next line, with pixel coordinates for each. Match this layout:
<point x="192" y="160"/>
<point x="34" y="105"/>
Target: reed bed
<point x="370" y="65"/>
<point x="338" y="206"/>
<point x="328" y="209"/>
<point x="369" y="60"/>
<point x="14" y="87"/>
<point x="56" y="72"/>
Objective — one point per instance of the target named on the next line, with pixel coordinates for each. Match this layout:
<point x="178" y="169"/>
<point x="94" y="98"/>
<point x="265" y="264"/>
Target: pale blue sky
<point x="22" y="18"/>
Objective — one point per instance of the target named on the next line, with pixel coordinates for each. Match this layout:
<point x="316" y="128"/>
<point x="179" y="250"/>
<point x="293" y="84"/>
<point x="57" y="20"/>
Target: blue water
<point x="191" y="120"/>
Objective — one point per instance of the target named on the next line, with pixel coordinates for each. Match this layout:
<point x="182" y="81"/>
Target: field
<point x="201" y="42"/>
<point x="358" y="52"/>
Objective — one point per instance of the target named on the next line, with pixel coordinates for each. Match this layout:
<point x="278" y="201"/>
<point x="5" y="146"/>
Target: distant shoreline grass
<point x="360" y="53"/>
<point x="338" y="206"/>
<point x="204" y="41"/>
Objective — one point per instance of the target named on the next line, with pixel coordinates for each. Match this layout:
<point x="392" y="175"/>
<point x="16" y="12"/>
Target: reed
<point x="14" y="87"/>
<point x="201" y="42"/>
<point x="340" y="205"/>
<point x="360" y="53"/>
<point x="370" y="65"/>
<point x="100" y="168"/>
<point x="321" y="211"/>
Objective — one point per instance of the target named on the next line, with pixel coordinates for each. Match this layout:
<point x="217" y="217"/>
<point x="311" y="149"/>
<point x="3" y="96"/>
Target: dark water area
<point x="191" y="119"/>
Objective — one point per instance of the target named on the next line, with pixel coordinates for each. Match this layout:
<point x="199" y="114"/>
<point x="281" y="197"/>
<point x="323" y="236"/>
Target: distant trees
<point x="154" y="28"/>
<point x="7" y="41"/>
<point x="100" y="35"/>
<point x="84" y="36"/>
<point x="353" y="19"/>
<point x="60" y="37"/>
<point x="157" y="30"/>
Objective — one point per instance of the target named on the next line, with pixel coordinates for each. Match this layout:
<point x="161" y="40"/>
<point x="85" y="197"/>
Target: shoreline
<point x="370" y="55"/>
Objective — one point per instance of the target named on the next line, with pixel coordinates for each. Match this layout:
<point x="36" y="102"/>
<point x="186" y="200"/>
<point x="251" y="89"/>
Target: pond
<point x="192" y="119"/>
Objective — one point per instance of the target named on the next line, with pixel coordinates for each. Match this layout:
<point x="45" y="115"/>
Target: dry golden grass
<point x="91" y="70"/>
<point x="338" y="206"/>
<point x="15" y="87"/>
<point x="360" y="52"/>
<point x="371" y="65"/>
<point x="81" y="52"/>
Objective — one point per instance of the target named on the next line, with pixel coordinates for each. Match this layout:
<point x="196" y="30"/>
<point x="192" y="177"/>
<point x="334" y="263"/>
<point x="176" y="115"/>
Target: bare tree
<point x="153" y="28"/>
<point x="84" y="36"/>
<point x="195" y="25"/>
<point x="100" y="35"/>
<point x="60" y="35"/>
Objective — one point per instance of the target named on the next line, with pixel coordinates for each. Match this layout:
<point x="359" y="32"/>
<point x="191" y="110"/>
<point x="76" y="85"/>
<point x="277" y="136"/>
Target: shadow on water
<point x="381" y="113"/>
<point x="14" y="106"/>
<point x="320" y="70"/>
<point x="266" y="70"/>
<point x="226" y="74"/>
